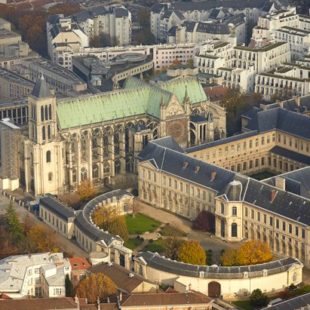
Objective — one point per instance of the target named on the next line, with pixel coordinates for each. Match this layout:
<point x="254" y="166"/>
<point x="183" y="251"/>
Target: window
<point x="222" y="208"/>
<point x="277" y="224"/>
<point x="42" y="114"/>
<point x="296" y="231"/>
<point x="43" y="133"/>
<point x="271" y="221"/>
<point x="48" y="132"/>
<point x="48" y="157"/>
<point x="290" y="228"/>
<point x="234" y="211"/>
<point x="252" y="214"/>
<point x="283" y="226"/>
<point x="234" y="232"/>
<point x="57" y="291"/>
<point x="50" y="176"/>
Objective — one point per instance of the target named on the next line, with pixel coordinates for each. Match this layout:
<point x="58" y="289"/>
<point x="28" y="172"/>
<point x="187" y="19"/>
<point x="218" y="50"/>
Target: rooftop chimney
<point x="273" y="195"/>
<point x="280" y="183"/>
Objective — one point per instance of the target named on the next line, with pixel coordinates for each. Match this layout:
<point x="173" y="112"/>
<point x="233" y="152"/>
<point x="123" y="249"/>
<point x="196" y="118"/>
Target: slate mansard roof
<point x="280" y="119"/>
<point x="138" y="98"/>
<point x="57" y="207"/>
<point x="202" y="271"/>
<point x="229" y="185"/>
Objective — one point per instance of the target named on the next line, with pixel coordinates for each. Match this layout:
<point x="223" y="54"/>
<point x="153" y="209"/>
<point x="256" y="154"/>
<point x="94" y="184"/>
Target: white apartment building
<point x="163" y="54"/>
<point x="39" y="275"/>
<point x="64" y="35"/>
<point x="114" y="21"/>
<point x="165" y="17"/>
<point x="237" y="65"/>
<point x="232" y="29"/>
<point x="298" y="39"/>
<point x="286" y="82"/>
<point x="285" y="26"/>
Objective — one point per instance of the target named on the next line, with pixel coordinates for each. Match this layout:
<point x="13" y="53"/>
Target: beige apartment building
<point x="209" y="178"/>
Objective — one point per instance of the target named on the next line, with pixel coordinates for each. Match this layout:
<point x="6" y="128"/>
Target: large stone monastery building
<point x="208" y="177"/>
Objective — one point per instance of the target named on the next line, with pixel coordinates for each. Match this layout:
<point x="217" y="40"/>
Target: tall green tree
<point x="69" y="287"/>
<point x="15" y="227"/>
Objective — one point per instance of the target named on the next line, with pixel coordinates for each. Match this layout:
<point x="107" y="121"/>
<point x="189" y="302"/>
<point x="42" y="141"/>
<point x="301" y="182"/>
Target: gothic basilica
<point x="97" y="137"/>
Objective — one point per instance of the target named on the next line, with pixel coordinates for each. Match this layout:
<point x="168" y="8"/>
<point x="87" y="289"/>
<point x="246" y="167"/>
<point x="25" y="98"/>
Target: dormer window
<point x="185" y="164"/>
<point x="197" y="168"/>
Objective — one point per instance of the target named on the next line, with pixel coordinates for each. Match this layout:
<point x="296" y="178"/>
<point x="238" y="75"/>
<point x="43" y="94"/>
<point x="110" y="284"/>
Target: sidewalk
<point x="209" y="242"/>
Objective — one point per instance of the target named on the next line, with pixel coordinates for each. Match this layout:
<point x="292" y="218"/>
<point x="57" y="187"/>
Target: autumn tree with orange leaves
<point x="96" y="285"/>
<point x="86" y="190"/>
<point x="192" y="252"/>
<point x="249" y="253"/>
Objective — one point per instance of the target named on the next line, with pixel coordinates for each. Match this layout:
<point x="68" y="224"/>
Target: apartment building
<point x="231" y="29"/>
<point x="37" y="275"/>
<point x="113" y="21"/>
<point x="284" y="82"/>
<point x="237" y="66"/>
<point x="165" y="18"/>
<point x="285" y="26"/>
<point x="13" y="85"/>
<point x="64" y="34"/>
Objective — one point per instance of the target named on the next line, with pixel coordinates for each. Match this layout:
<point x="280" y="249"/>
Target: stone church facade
<point x="97" y="137"/>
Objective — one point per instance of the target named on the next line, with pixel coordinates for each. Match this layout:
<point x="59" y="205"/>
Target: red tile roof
<point x="79" y="263"/>
<point x="166" y="299"/>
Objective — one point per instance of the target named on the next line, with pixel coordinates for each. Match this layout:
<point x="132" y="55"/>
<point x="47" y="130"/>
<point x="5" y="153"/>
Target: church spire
<point x="41" y="89"/>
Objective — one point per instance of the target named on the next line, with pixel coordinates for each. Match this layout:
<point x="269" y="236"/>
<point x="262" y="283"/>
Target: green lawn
<point x="243" y="304"/>
<point x="133" y="243"/>
<point x="139" y="223"/>
<point x="155" y="246"/>
<point x="170" y="231"/>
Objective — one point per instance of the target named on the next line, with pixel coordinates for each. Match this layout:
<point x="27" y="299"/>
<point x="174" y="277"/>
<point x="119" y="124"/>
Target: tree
<point x="250" y="253"/>
<point x="96" y="285"/>
<point x="230" y="258"/>
<point x="258" y="299"/>
<point x="42" y="239"/>
<point x="172" y="246"/>
<point x="110" y="219"/>
<point x="69" y="287"/>
<point x="86" y="190"/>
<point x="15" y="227"/>
<point x="205" y="221"/>
<point x="144" y="18"/>
<point x="70" y="199"/>
<point x="254" y="252"/>
<point x="192" y="252"/>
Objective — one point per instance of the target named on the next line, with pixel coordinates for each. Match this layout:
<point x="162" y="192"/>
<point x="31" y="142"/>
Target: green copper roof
<point x="137" y="98"/>
<point x="180" y="86"/>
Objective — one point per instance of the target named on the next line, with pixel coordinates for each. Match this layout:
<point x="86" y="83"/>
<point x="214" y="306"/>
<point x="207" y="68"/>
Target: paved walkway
<point x="208" y="241"/>
<point x="64" y="244"/>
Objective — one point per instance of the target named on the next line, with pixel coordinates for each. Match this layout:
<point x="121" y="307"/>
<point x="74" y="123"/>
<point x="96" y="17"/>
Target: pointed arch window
<point x="50" y="111"/>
